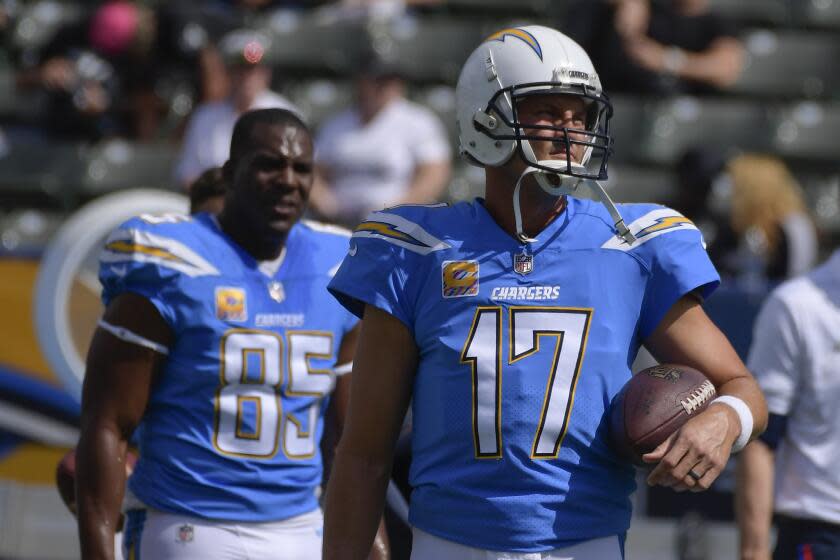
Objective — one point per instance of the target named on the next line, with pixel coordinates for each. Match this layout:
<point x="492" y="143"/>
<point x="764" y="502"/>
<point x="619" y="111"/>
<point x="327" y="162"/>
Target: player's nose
<point x="285" y="178"/>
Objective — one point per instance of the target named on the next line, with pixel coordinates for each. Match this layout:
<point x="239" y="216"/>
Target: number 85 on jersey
<point x="249" y="402"/>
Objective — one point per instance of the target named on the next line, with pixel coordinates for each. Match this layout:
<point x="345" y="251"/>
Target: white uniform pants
<point x="155" y="535"/>
<point x="430" y="547"/>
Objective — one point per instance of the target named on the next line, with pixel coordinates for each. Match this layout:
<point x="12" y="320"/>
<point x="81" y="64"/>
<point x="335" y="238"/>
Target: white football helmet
<point x="533" y="60"/>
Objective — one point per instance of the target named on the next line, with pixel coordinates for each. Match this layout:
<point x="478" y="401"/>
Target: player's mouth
<point x="558" y="148"/>
<point x="284" y="209"/>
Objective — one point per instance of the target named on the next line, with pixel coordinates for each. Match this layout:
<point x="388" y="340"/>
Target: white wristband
<point x="744" y="415"/>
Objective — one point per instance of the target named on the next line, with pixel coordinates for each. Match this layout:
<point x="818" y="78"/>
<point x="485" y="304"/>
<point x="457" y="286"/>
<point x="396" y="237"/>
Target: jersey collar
<point x="267" y="268"/>
<point x="545" y="237"/>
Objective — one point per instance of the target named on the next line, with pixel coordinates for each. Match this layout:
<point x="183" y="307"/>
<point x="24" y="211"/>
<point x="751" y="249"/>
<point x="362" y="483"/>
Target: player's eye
<point x="265" y="164"/>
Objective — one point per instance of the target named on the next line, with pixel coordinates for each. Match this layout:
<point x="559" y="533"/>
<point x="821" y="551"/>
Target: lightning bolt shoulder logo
<point x="399" y="231"/>
<point x="650" y="226"/>
<point x="520" y="34"/>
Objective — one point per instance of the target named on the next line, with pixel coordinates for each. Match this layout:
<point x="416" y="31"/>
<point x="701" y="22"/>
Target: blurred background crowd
<point x="727" y="110"/>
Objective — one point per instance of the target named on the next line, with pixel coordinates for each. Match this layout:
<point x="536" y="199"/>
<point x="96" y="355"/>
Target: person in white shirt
<point x="207" y="138"/>
<point x="384" y="151"/>
<point x="792" y="470"/>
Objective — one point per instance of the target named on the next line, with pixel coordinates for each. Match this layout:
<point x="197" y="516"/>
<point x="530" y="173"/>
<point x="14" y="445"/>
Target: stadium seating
<point x="520" y="7"/>
<point x="808" y="131"/>
<point x="674" y="125"/>
<point x="311" y="46"/>
<point x="789" y="64"/>
<point x="633" y="183"/>
<point x="37" y="22"/>
<point x="106" y="166"/>
<point x="823" y="193"/>
<point x="28" y="230"/>
<point x="40" y="175"/>
<point x="627" y="125"/>
<point x="427" y="50"/>
<point x="765" y="12"/>
<point x="820" y="13"/>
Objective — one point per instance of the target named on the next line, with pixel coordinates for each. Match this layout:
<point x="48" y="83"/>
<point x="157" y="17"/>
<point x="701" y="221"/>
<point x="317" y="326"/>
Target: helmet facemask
<point x="557" y="177"/>
<point x="595" y="138"/>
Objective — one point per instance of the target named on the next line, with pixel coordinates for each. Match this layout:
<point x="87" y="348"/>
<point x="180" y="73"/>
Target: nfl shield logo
<point x="185" y="533"/>
<point x="276" y="291"/>
<point x="523" y="263"/>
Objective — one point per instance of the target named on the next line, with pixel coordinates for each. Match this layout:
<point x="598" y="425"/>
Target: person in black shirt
<point x="660" y="46"/>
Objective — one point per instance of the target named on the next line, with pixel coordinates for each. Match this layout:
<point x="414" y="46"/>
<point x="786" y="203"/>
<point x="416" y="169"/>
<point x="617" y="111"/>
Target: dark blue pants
<point x="806" y="539"/>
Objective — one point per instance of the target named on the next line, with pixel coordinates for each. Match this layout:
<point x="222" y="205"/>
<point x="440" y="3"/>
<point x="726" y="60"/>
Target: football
<point x="653" y="404"/>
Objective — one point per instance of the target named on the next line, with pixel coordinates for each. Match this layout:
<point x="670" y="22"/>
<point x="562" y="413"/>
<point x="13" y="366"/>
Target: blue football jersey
<point x="522" y="348"/>
<point x="233" y="424"/>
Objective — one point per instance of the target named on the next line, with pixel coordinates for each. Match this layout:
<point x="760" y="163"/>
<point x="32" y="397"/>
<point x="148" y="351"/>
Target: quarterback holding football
<point x="510" y="323"/>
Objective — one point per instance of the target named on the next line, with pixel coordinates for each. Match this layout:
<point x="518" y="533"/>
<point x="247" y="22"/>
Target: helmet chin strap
<point x="565" y="184"/>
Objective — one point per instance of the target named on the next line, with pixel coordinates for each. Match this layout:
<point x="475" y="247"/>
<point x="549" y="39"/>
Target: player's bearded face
<point x="560" y="112"/>
<point x="277" y="177"/>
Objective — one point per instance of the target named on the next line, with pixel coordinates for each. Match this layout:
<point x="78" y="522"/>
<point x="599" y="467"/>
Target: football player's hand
<point x="694" y="455"/>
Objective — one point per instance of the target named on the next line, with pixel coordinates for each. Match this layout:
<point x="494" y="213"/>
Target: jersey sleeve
<point x="673" y="250"/>
<point x="773" y="354"/>
<point x="371" y="274"/>
<point x="386" y="251"/>
<point x="139" y="259"/>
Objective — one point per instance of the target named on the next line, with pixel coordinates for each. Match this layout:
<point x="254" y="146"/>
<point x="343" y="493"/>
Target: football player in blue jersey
<point x="219" y="349"/>
<point x="511" y="322"/>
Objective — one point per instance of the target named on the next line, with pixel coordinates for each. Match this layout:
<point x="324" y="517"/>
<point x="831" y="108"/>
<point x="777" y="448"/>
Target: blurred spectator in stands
<point x="207" y="138"/>
<point x="752" y="213"/>
<point x="696" y="173"/>
<point x="207" y="193"/>
<point x="102" y="74"/>
<point x="661" y="47"/>
<point x="8" y="13"/>
<point x="769" y="216"/>
<point x="384" y="151"/>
